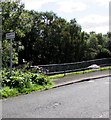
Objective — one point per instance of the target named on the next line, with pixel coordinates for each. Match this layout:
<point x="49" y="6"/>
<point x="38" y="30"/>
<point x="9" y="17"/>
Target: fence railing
<point x="52" y="69"/>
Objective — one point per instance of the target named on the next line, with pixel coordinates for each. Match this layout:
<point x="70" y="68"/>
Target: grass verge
<point x="6" y="92"/>
<point x="79" y="72"/>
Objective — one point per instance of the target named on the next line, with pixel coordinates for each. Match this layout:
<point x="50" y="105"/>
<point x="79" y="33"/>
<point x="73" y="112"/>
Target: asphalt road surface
<point x="89" y="99"/>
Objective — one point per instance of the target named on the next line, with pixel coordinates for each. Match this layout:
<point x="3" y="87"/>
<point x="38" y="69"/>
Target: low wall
<point x="76" y="66"/>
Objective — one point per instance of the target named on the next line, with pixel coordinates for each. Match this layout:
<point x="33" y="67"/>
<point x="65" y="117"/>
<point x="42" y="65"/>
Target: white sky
<point x="92" y="15"/>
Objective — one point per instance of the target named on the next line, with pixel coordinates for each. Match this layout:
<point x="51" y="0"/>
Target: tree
<point x="45" y="38"/>
<point x="15" y="19"/>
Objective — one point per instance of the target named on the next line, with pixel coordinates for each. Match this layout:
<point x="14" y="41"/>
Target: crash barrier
<point x="52" y="69"/>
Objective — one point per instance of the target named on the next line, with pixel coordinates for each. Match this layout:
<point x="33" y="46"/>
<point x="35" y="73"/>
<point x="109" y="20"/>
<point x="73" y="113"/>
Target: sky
<point x="92" y="15"/>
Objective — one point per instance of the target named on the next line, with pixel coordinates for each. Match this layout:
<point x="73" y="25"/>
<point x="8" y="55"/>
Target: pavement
<point x="75" y="78"/>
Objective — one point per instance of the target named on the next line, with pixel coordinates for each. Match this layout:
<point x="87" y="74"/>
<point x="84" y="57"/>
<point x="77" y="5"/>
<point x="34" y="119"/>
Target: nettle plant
<point x="21" y="80"/>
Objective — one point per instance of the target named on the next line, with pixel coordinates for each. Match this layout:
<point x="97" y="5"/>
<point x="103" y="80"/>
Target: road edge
<point x="81" y="80"/>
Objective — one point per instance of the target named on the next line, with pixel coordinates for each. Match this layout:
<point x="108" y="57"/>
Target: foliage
<point x="45" y="38"/>
<point x="6" y="54"/>
<point x="6" y="92"/>
<point x="20" y="82"/>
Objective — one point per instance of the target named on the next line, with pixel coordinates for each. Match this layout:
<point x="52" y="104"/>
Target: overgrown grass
<point x="6" y="92"/>
<point x="22" y="83"/>
<point x="79" y="72"/>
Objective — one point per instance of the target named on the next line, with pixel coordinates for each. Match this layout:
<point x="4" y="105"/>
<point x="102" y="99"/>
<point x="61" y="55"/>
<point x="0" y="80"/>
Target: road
<point x="89" y="99"/>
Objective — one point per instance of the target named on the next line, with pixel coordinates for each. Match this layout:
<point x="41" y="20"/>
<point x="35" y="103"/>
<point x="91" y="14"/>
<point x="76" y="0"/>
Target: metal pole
<point x="10" y="56"/>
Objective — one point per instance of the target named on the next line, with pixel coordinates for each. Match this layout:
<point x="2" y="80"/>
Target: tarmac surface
<point x="89" y="99"/>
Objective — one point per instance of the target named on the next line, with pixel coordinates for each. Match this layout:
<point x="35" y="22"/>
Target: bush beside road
<point x="22" y="83"/>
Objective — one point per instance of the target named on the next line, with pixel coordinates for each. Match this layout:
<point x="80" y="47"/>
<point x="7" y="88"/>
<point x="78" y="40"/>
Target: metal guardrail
<point x="52" y="69"/>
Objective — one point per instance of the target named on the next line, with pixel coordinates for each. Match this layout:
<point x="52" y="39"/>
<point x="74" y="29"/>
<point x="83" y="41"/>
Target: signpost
<point x="10" y="36"/>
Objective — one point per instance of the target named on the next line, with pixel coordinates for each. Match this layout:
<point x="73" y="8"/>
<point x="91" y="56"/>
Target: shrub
<point x="22" y="80"/>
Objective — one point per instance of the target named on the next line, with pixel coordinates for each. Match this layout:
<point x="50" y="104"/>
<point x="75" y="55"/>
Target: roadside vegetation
<point x="79" y="72"/>
<point x="43" y="38"/>
<point x="22" y="83"/>
<point x="25" y="82"/>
